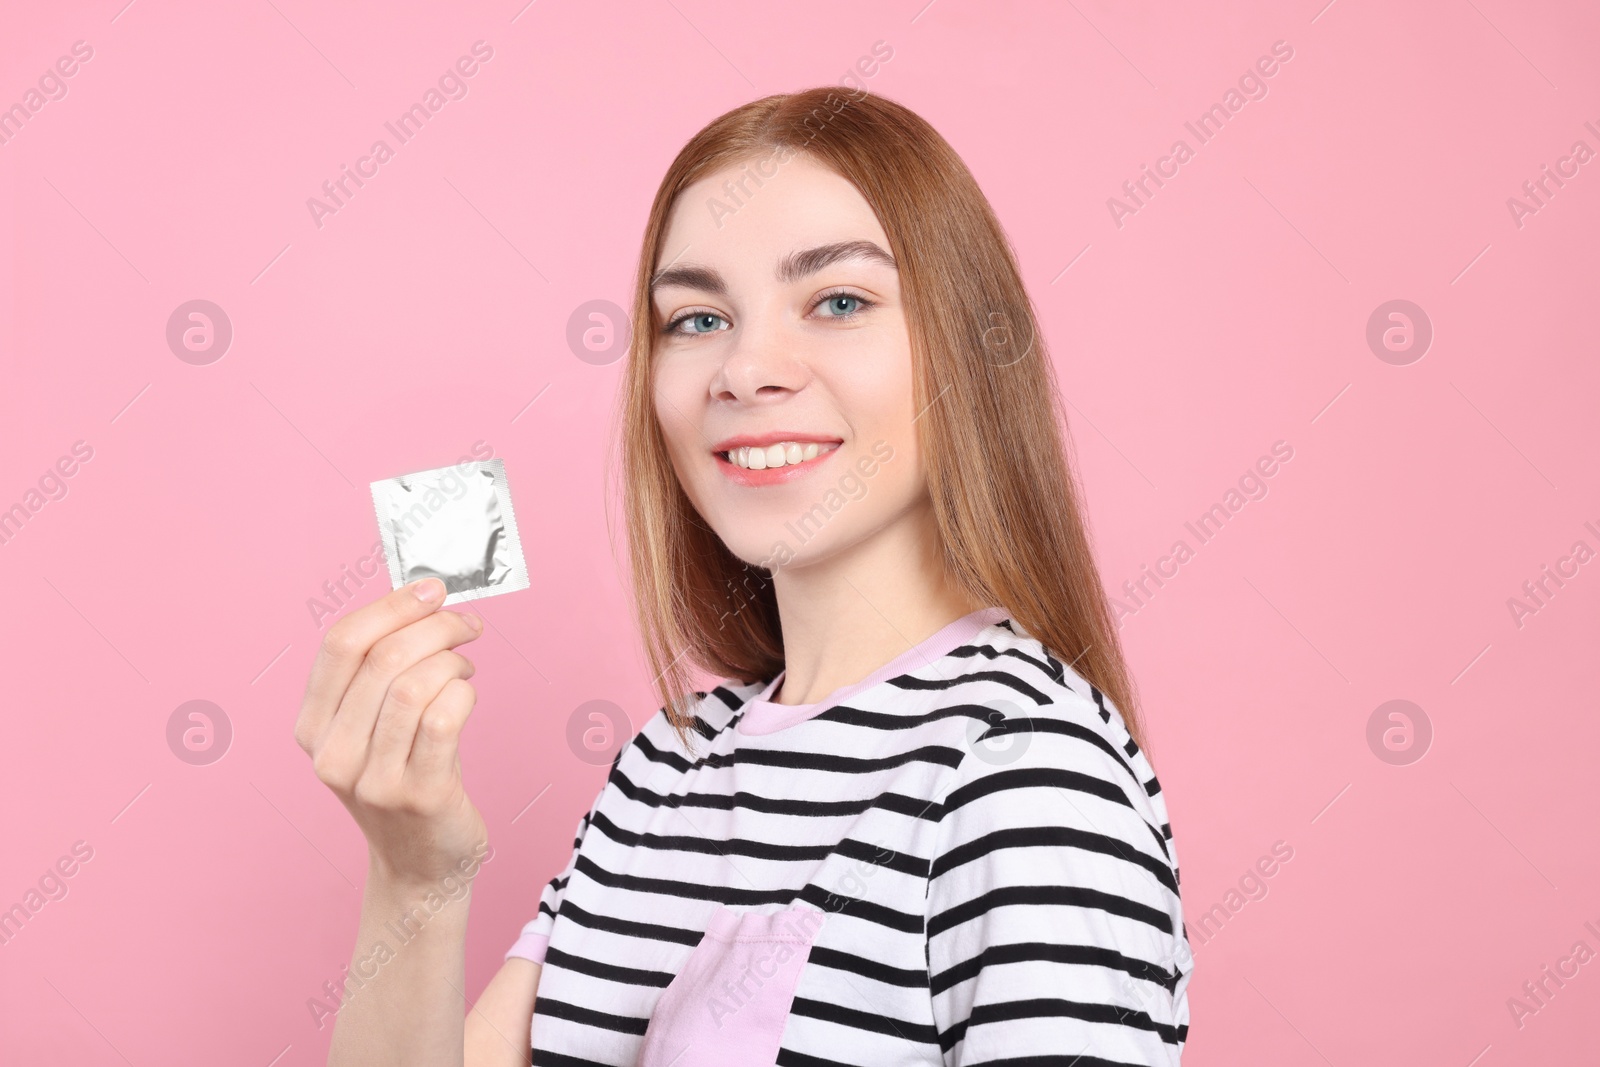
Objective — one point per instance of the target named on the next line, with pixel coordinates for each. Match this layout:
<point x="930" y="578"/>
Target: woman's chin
<point x="771" y="550"/>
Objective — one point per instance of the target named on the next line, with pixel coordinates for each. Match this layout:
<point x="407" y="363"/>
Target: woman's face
<point x="783" y="363"/>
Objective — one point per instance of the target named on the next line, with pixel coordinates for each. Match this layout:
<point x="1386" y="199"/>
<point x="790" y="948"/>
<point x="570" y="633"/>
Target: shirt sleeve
<point x="1054" y="927"/>
<point x="535" y="936"/>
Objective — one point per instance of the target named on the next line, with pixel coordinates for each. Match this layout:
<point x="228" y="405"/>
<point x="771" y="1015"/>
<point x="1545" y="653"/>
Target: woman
<point x="915" y="823"/>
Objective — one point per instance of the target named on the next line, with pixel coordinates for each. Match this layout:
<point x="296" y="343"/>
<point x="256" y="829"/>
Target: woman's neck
<point x="845" y="616"/>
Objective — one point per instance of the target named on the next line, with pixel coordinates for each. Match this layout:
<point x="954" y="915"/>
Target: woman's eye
<point x="840" y="306"/>
<point x="831" y="306"/>
<point x="698" y="322"/>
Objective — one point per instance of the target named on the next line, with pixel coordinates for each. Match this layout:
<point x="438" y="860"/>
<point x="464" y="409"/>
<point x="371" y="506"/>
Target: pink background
<point x="1227" y="314"/>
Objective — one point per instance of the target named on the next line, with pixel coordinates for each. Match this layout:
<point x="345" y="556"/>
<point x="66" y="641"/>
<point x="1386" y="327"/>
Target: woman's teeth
<point x="782" y="454"/>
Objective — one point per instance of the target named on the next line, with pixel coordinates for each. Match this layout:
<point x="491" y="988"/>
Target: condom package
<point x="453" y="523"/>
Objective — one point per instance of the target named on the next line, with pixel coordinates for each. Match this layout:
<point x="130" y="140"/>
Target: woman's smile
<point x="772" y="458"/>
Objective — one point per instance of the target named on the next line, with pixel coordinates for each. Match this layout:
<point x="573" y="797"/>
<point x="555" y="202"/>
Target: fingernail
<point x="428" y="590"/>
<point x="473" y="621"/>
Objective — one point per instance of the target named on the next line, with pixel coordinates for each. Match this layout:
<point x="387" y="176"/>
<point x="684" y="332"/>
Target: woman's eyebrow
<point x="791" y="268"/>
<point x="802" y="264"/>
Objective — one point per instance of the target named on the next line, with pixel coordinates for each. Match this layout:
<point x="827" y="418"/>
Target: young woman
<point x="914" y="823"/>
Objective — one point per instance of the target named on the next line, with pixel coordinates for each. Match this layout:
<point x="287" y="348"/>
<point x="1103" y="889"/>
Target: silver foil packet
<point x="453" y="523"/>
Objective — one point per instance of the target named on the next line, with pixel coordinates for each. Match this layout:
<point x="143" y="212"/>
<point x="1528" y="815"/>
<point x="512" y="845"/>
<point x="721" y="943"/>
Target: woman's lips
<point x="770" y="475"/>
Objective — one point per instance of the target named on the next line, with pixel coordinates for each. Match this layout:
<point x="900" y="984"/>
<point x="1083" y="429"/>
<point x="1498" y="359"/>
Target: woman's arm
<point x="409" y="1007"/>
<point x="381" y="719"/>
<point x="499" y="1025"/>
<point x="412" y="1000"/>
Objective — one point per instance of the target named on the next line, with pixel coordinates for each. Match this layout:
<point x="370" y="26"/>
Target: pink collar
<point x="761" y="716"/>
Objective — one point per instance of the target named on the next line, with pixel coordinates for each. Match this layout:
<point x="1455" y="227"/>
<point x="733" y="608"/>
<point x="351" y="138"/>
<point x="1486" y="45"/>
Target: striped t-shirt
<point x="962" y="859"/>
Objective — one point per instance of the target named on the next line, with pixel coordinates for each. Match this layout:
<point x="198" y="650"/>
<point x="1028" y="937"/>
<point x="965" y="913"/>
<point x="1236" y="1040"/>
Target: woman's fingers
<point x="345" y="646"/>
<point x="431" y="772"/>
<point x="346" y="746"/>
<point x="381" y="720"/>
<point x="408" y="696"/>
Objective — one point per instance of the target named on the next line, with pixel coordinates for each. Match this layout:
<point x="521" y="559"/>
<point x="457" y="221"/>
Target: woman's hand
<point x="381" y="719"/>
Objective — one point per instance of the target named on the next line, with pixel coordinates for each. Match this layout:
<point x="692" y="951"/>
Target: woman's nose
<point x="762" y="360"/>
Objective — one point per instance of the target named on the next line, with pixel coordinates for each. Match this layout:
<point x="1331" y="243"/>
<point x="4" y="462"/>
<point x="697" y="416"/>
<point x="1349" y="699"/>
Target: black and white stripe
<point x="992" y="849"/>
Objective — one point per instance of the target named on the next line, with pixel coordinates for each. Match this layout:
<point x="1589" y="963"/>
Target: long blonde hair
<point x="991" y="434"/>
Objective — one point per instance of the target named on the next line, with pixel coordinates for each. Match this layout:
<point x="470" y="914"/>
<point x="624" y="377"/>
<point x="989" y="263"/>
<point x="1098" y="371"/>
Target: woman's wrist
<point x="402" y="890"/>
<point x="446" y="879"/>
